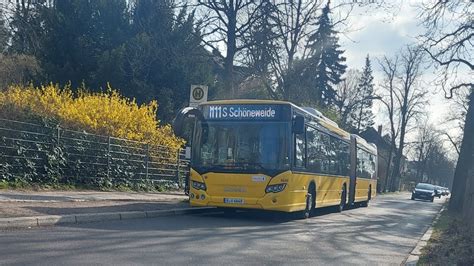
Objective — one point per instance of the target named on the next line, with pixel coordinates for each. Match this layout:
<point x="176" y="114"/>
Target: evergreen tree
<point x="25" y="27"/>
<point x="163" y="57"/>
<point x="3" y="33"/>
<point x="77" y="33"/>
<point x="362" y="116"/>
<point x="326" y="63"/>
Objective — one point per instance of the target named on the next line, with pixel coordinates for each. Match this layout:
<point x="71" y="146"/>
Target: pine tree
<point x="326" y="63"/>
<point x="362" y="116"/>
<point x="3" y="33"/>
<point x="76" y="35"/>
<point x="164" y="57"/>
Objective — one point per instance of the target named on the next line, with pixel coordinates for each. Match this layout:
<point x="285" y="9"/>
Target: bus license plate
<point x="233" y="201"/>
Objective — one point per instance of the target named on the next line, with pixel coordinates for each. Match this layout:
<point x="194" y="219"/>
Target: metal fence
<point x="39" y="153"/>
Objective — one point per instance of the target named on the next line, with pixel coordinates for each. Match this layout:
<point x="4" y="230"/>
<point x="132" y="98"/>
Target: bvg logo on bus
<point x="241" y="112"/>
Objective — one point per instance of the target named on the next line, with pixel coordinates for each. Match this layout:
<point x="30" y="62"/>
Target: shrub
<point x="104" y="113"/>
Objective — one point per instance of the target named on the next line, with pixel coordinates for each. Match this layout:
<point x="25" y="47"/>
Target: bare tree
<point x="423" y="146"/>
<point x="227" y="22"/>
<point x="347" y="95"/>
<point x="439" y="167"/>
<point x="292" y="22"/>
<point x="404" y="97"/>
<point x="389" y="70"/>
<point x="448" y="40"/>
<point x="293" y="25"/>
<point x="456" y="117"/>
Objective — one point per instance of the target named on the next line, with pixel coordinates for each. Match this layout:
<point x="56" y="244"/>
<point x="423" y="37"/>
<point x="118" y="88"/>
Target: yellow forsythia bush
<point x="99" y="113"/>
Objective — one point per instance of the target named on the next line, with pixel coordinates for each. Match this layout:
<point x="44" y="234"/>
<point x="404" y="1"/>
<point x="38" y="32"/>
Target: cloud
<point x="380" y="32"/>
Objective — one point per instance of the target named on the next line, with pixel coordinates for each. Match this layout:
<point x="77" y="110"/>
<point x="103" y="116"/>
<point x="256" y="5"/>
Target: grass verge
<point x="452" y="243"/>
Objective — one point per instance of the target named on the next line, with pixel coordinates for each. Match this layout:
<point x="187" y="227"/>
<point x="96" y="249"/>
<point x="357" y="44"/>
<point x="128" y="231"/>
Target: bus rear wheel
<point x="369" y="196"/>
<point x="343" y="203"/>
<point x="309" y="206"/>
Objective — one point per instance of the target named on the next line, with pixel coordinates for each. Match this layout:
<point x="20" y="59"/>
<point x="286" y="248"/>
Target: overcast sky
<point x="380" y="32"/>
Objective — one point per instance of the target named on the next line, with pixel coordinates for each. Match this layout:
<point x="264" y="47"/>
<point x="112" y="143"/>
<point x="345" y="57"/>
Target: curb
<point x="414" y="255"/>
<point x="50" y="220"/>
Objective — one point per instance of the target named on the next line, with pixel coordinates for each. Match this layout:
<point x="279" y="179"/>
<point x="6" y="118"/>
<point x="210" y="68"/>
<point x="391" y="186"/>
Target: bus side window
<point x="344" y="158"/>
<point x="373" y="163"/>
<point x="360" y="163"/>
<point x="300" y="150"/>
<point x="313" y="137"/>
<point x="326" y="154"/>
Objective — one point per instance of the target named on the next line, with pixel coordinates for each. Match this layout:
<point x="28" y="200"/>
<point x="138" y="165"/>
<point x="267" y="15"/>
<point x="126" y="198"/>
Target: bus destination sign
<point x="242" y="112"/>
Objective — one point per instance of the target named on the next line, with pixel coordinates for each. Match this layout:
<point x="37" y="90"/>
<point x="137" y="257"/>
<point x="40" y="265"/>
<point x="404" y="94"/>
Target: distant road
<point x="383" y="233"/>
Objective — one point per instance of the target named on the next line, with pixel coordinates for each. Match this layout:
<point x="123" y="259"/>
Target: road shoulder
<point x="414" y="255"/>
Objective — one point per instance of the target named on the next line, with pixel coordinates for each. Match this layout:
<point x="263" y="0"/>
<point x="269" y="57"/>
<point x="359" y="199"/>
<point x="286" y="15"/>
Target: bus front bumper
<point x="285" y="202"/>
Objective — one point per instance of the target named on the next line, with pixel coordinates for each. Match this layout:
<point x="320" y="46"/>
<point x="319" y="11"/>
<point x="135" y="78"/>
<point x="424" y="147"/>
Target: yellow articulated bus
<point x="274" y="155"/>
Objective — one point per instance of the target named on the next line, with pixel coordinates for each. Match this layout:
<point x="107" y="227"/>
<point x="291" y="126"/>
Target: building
<point x="385" y="156"/>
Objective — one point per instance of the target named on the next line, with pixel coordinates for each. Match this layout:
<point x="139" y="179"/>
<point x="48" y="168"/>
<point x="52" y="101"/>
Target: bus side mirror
<point x="298" y="125"/>
<point x="182" y="119"/>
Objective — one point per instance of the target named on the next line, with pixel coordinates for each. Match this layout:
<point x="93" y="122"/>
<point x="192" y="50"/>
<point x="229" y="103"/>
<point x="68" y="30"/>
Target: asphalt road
<point x="384" y="233"/>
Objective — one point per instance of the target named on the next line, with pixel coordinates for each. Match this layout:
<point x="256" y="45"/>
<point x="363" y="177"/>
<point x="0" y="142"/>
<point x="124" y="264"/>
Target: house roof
<point x="372" y="135"/>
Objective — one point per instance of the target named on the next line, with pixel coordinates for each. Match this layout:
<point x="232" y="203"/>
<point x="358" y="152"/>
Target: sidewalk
<point x="33" y="203"/>
<point x="25" y="209"/>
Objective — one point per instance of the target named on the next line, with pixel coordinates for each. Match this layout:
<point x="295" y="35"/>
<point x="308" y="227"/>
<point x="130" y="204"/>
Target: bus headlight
<point x="275" y="188"/>
<point x="199" y="185"/>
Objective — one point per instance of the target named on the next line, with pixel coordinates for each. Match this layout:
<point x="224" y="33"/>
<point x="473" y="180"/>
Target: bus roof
<point x="367" y="145"/>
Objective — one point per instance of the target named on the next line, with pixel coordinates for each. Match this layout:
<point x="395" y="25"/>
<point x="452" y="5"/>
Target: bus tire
<point x="343" y="203"/>
<point x="309" y="206"/>
<point x="369" y="196"/>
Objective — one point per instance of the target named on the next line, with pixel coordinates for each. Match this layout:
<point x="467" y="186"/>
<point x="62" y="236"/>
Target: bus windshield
<point x="243" y="146"/>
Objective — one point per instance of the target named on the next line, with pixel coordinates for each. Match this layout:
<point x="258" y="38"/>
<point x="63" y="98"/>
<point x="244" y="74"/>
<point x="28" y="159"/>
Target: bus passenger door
<point x="353" y="170"/>
<point x="183" y="127"/>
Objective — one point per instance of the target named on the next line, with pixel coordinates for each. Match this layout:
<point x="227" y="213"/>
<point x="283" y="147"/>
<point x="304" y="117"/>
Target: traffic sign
<point x="197" y="95"/>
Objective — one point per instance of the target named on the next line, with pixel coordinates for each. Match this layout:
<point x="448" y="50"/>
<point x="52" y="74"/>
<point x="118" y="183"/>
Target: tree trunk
<point x="230" y="54"/>
<point x="286" y="85"/>
<point x="465" y="161"/>
<point x="387" y="174"/>
<point x="398" y="161"/>
<point x="468" y="207"/>
<point x="395" y="172"/>
<point x="229" y="75"/>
